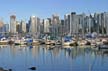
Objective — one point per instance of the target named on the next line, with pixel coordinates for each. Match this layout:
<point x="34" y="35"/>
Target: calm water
<point x="47" y="58"/>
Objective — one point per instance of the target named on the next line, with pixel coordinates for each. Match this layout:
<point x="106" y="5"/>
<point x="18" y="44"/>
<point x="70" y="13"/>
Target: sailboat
<point x="68" y="40"/>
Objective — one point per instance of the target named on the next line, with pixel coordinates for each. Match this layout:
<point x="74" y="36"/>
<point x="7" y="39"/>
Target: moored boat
<point x="50" y="42"/>
<point x="29" y="41"/>
<point x="69" y="41"/>
<point x="35" y="42"/>
<point x="3" y="41"/>
<point x="82" y="42"/>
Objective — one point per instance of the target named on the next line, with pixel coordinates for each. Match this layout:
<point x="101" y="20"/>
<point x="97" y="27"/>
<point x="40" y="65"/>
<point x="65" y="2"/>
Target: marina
<point x="64" y="41"/>
<point x="54" y="35"/>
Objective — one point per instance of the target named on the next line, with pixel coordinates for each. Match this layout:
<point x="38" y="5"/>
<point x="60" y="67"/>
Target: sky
<point x="23" y="9"/>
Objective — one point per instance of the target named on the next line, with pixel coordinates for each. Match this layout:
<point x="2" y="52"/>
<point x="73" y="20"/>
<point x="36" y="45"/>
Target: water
<point x="50" y="58"/>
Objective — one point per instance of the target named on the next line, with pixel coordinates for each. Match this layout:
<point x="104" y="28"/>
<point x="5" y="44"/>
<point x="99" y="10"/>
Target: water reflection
<point x="53" y="58"/>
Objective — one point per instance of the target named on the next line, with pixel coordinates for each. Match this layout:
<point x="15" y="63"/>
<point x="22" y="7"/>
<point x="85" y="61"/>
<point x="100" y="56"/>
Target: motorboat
<point x="82" y="43"/>
<point x="35" y="42"/>
<point x="68" y="41"/>
<point x="50" y="42"/>
<point x="4" y="41"/>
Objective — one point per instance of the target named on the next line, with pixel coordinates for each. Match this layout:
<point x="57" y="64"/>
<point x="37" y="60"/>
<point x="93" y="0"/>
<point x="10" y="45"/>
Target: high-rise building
<point x="50" y="24"/>
<point x="46" y="26"/>
<point x="74" y="24"/>
<point x="81" y="24"/>
<point x="1" y="26"/>
<point x="96" y="23"/>
<point x="49" y="20"/>
<point x="55" y="22"/>
<point x="23" y="26"/>
<point x="18" y="28"/>
<point x="28" y="26"/>
<point x="106" y="22"/>
<point x="55" y="19"/>
<point x="13" y="24"/>
<point x="41" y="29"/>
<point x="89" y="21"/>
<point x="38" y="26"/>
<point x="6" y="28"/>
<point x="62" y="28"/>
<point x="101" y="21"/>
<point x="67" y="24"/>
<point x="1" y="23"/>
<point x="34" y="26"/>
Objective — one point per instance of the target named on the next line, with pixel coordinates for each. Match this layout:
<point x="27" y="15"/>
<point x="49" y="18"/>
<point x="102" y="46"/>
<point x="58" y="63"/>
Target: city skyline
<point x="72" y="24"/>
<point x="43" y="9"/>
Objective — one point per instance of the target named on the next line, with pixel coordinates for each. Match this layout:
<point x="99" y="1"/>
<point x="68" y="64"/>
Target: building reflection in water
<point x="72" y="52"/>
<point x="53" y="56"/>
<point x="35" y="51"/>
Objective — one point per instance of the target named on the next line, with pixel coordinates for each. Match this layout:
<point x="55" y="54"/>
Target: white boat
<point x="82" y="43"/>
<point x="50" y="42"/>
<point x="104" y="40"/>
<point x="3" y="41"/>
<point x="35" y="42"/>
<point x="98" y="42"/>
<point x="68" y="43"/>
<point x="17" y="41"/>
<point x="20" y="42"/>
<point x="93" y="42"/>
<point x="58" y="42"/>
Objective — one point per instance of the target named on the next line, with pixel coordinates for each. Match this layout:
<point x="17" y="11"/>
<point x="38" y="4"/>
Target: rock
<point x="1" y="68"/>
<point x="32" y="68"/>
<point x="10" y="69"/>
